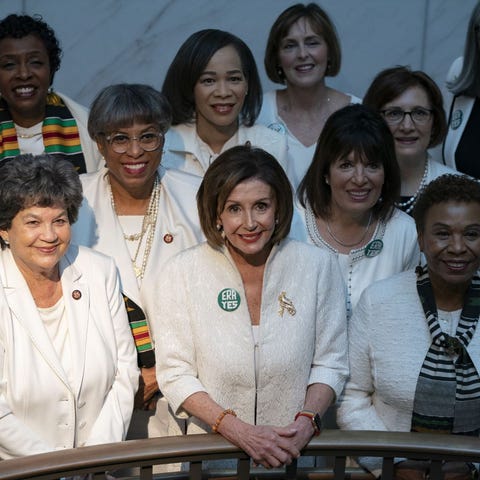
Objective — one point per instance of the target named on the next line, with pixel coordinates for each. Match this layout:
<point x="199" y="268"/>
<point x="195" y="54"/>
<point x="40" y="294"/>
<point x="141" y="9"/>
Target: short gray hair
<point x="121" y="105"/>
<point x="41" y="180"/>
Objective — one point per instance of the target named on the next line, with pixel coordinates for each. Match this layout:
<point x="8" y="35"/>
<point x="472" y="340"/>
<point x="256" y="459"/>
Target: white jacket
<point x="40" y="410"/>
<point x="184" y="150"/>
<point x="388" y="341"/>
<point x="206" y="348"/>
<point x="98" y="227"/>
<point x="400" y="251"/>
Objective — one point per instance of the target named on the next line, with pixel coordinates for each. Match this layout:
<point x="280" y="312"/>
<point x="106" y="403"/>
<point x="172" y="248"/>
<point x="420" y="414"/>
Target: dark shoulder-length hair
<point x="446" y="188"/>
<point x="37" y="180"/>
<point x="189" y="64"/>
<point x="468" y="81"/>
<point x="320" y="23"/>
<point x="19" y="26"/>
<point x="235" y="166"/>
<point x="362" y="130"/>
<point x="393" y="82"/>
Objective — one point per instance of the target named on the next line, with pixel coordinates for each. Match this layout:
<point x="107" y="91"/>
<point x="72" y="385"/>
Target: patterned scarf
<point x="447" y="397"/>
<point x="59" y="130"/>
<point x="141" y="334"/>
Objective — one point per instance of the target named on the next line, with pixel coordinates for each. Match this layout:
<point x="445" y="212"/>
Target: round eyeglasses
<point x="395" y="116"/>
<point x="148" y="141"/>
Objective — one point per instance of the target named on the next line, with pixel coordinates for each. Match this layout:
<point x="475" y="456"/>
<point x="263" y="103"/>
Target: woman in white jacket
<point x="462" y="143"/>
<point x="248" y="315"/>
<point x="414" y="341"/>
<point x="140" y="214"/>
<point x="215" y="92"/>
<point x="68" y="370"/>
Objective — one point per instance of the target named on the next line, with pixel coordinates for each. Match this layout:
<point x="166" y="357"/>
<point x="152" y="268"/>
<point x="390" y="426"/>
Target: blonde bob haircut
<point x="232" y="167"/>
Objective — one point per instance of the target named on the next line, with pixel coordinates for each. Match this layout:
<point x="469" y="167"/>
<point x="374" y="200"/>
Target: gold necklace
<point x="348" y="245"/>
<point x="28" y="135"/>
<point x="149" y="224"/>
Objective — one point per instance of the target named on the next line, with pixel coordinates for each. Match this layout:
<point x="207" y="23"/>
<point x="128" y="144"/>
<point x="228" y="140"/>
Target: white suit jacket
<point x="98" y="227"/>
<point x="185" y="151"/>
<point x="40" y="410"/>
<point x="388" y="341"/>
<point x="210" y="347"/>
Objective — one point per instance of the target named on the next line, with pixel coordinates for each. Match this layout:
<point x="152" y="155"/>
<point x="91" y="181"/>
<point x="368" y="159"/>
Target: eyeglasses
<point x="394" y="116"/>
<point x="149" y="141"/>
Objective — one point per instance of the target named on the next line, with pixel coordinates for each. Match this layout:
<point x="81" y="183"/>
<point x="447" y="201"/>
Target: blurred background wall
<point x="111" y="41"/>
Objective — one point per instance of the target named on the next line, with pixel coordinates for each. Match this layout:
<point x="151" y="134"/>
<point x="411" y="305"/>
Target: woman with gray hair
<point x="68" y="369"/>
<point x="138" y="213"/>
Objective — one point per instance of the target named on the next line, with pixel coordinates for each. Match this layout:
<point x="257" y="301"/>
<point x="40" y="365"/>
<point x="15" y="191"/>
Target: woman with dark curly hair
<point x="418" y="367"/>
<point x="34" y="119"/>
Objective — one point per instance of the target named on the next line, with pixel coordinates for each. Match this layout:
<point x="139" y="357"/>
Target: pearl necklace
<point x="149" y="224"/>
<point x="348" y="245"/>
<point x="407" y="206"/>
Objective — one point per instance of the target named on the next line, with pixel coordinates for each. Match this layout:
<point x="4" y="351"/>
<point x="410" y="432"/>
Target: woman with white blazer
<point x="140" y="214"/>
<point x="462" y="143"/>
<point x="68" y="370"/>
<point x="215" y="92"/>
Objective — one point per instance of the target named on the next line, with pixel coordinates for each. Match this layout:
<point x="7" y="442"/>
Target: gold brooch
<point x="286" y="304"/>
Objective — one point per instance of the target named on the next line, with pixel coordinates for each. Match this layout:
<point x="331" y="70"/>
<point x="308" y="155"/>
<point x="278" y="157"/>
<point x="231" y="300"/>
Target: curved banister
<point x="195" y="448"/>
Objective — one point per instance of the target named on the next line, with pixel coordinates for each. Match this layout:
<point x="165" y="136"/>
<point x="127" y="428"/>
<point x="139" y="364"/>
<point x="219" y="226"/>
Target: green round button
<point x="373" y="248"/>
<point x="228" y="299"/>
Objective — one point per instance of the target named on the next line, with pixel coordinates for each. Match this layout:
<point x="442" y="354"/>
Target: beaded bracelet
<point x="219" y="419"/>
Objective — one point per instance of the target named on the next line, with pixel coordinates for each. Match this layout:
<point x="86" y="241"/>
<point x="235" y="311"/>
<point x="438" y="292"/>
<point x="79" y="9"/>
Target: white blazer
<point x="98" y="227"/>
<point x="185" y="151"/>
<point x="40" y="409"/>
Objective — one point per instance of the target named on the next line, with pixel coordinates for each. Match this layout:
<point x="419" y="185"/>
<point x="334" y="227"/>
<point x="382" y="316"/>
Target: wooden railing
<point x="196" y="448"/>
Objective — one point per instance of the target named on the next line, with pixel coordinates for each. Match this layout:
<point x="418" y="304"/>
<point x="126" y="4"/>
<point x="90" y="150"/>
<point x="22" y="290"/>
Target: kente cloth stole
<point x="59" y="131"/>
<point x="447" y="396"/>
<point x="141" y="334"/>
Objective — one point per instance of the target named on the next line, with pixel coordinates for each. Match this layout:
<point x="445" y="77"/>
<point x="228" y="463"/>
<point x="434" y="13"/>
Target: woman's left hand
<point x="146" y="398"/>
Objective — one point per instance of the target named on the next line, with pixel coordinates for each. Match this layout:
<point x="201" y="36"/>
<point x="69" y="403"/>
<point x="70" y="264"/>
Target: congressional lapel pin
<point x="228" y="299"/>
<point x="168" y="238"/>
<point x="286" y="304"/>
<point x="457" y="118"/>
<point x="373" y="248"/>
<point x="76" y="294"/>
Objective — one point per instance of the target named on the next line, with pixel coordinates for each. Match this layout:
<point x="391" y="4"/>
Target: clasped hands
<point x="269" y="446"/>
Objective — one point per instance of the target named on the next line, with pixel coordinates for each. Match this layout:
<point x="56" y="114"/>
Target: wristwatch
<point x="315" y="419"/>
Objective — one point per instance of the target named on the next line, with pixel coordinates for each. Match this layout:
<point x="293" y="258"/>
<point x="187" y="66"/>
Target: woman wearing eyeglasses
<point x="138" y="213"/>
<point x="412" y="105"/>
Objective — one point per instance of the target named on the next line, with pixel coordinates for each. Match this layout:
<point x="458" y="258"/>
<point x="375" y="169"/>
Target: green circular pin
<point x="228" y="299"/>
<point x="373" y="248"/>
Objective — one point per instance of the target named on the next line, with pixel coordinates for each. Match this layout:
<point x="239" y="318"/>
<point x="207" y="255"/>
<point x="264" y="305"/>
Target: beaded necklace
<point x="407" y="206"/>
<point x="148" y="225"/>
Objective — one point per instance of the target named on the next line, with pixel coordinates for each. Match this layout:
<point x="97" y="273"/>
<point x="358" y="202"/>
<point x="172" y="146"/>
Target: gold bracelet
<point x="219" y="419"/>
